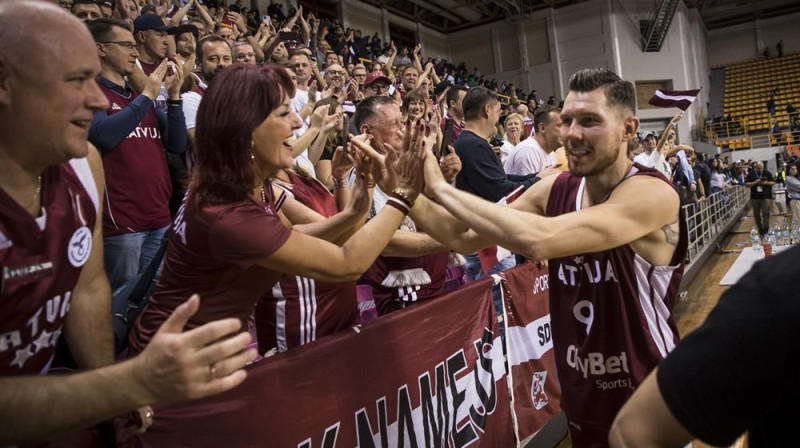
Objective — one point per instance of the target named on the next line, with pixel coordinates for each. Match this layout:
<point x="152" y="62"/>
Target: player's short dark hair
<point x="619" y="93"/>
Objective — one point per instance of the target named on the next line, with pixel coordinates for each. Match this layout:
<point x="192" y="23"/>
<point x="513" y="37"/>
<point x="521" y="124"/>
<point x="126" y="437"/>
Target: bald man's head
<point x="48" y="92"/>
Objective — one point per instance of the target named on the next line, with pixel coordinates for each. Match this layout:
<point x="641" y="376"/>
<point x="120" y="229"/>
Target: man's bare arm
<point x="174" y="366"/>
<point x="622" y="219"/>
<point x="88" y="326"/>
<point x="412" y="244"/>
<point x="646" y="422"/>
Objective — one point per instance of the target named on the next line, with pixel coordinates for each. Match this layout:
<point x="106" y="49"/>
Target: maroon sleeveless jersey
<point x="138" y="187"/>
<point x="611" y="314"/>
<point x="41" y="260"/>
<point x="298" y="309"/>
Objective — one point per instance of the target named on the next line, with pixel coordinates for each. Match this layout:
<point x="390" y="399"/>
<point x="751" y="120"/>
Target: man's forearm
<point x="332" y="228"/>
<point x="412" y="244"/>
<point x="496" y="224"/>
<point x="175" y="138"/>
<point x="108" y="131"/>
<point x="38" y="407"/>
<point x="88" y="326"/>
<point x="444" y="227"/>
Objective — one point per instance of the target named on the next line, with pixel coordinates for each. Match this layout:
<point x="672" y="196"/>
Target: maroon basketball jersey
<point x="41" y="260"/>
<point x="611" y="314"/>
<point x="214" y="250"/>
<point x="138" y="187"/>
<point x="299" y="310"/>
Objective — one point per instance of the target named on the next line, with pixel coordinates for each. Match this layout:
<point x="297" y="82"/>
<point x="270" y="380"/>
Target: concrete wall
<point x="519" y="51"/>
<point x="682" y="60"/>
<point x="747" y="41"/>
<point x="370" y="20"/>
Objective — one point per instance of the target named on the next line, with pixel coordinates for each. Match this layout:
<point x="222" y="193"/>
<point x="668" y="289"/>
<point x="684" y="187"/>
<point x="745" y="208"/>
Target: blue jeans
<point x="129" y="254"/>
<point x="475" y="272"/>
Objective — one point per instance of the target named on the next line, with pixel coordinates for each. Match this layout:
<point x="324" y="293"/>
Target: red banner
<point x="536" y="393"/>
<point x="431" y="375"/>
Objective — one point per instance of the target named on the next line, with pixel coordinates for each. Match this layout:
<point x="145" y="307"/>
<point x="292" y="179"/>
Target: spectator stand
<point x="757" y="96"/>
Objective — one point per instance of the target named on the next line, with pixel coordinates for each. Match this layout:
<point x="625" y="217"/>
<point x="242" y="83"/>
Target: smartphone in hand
<point x="345" y="131"/>
<point x="447" y="137"/>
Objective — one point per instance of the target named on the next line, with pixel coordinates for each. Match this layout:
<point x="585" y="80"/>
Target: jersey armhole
<point x="84" y="173"/>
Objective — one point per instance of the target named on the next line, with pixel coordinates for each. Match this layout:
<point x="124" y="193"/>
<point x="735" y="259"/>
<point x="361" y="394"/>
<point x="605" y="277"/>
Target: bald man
<point x="51" y="251"/>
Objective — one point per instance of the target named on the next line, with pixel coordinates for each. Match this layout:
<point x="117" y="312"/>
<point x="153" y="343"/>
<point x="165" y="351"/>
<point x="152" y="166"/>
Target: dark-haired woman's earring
<point x="252" y="153"/>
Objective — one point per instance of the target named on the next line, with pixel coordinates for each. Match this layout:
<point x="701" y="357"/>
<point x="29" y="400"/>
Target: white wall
<point x="519" y="51"/>
<point x="370" y="20"/>
<point x="583" y="39"/>
<point x="740" y="42"/>
<point x="682" y="60"/>
<point x="364" y="17"/>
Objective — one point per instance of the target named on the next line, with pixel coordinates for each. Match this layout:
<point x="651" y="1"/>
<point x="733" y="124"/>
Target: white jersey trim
<point x="652" y="283"/>
<point x="84" y="173"/>
<point x="280" y="318"/>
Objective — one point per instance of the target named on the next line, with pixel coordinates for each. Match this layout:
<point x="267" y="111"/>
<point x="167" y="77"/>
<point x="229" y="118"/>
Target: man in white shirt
<point x="652" y="158"/>
<point x="537" y="152"/>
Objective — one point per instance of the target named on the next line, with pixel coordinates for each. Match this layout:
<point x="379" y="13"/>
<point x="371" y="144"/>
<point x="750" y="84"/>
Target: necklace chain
<point x="38" y="192"/>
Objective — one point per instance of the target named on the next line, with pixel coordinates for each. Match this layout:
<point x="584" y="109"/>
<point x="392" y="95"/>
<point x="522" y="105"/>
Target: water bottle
<point x="755" y="239"/>
<point x="785" y="234"/>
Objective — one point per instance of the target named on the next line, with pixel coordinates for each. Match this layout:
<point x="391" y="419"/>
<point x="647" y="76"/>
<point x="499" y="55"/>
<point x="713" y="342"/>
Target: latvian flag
<point x="492" y="254"/>
<point x="681" y="99"/>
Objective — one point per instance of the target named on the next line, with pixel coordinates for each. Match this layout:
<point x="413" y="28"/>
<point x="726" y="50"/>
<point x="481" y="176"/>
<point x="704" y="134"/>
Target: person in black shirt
<point x="482" y="173"/>
<point x="729" y="376"/>
<point x="760" y="182"/>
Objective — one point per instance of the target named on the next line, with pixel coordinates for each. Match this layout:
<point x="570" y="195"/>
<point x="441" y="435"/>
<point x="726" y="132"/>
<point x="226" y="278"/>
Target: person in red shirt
<point x="51" y="252"/>
<point x="229" y="241"/>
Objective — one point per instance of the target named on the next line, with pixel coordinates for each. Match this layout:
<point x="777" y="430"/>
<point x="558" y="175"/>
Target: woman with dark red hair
<point x="229" y="241"/>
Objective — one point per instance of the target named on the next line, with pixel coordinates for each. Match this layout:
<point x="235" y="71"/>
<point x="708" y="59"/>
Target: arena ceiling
<point x="455" y="15"/>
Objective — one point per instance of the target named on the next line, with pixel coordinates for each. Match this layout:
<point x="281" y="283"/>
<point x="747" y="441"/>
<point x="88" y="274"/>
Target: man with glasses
<point x="413" y="266"/>
<point x="376" y="84"/>
<point x="335" y="78"/>
<point x="131" y="136"/>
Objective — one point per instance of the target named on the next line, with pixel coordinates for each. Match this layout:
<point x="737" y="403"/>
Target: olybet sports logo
<point x="538" y="395"/>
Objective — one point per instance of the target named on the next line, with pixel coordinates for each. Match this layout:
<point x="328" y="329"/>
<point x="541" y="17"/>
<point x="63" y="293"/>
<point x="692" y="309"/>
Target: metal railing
<point x="706" y="219"/>
<point x="736" y="134"/>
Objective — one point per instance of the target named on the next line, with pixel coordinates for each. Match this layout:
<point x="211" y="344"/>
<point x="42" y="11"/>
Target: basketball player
<point x="51" y="258"/>
<point x="616" y="261"/>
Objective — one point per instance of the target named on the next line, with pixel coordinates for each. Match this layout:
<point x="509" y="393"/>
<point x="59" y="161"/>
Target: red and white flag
<point x="491" y="255"/>
<point x="681" y="99"/>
